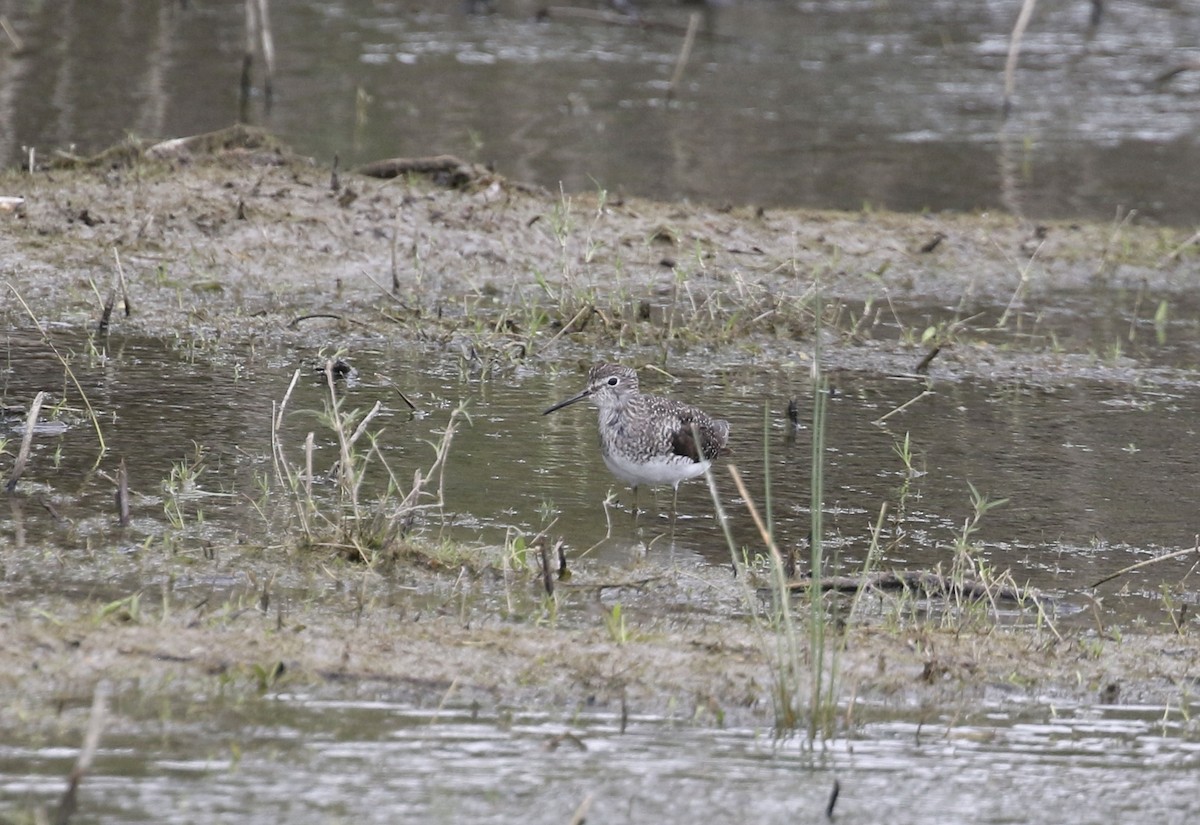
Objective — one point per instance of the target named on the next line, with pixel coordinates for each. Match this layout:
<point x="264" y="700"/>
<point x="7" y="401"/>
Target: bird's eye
<point x="612" y="382"/>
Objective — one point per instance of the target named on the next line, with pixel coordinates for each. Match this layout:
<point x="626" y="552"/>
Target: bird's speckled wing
<point x="690" y="422"/>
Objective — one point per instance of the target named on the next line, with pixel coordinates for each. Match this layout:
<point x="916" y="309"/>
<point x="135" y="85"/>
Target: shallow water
<point x="833" y="104"/>
<point x="1096" y="473"/>
<point x="303" y="759"/>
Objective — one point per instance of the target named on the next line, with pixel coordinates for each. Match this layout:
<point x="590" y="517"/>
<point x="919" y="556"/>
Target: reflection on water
<point x="833" y="104"/>
<point x="300" y="759"/>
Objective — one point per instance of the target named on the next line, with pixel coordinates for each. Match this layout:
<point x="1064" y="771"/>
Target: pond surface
<point x="832" y="104"/>
<point x="303" y="759"/>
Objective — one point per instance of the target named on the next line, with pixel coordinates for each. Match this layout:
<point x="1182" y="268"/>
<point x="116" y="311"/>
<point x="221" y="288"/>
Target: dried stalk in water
<point x="35" y="410"/>
<point x="91" y="743"/>
<point x="1014" y="51"/>
<point x="685" y="52"/>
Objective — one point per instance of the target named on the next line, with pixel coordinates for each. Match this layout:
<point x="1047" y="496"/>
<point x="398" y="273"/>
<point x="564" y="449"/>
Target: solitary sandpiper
<point x="647" y="439"/>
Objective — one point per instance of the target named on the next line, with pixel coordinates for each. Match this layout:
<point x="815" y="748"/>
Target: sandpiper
<point x="647" y="439"/>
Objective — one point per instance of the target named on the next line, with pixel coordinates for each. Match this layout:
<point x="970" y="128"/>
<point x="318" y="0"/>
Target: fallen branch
<point x="331" y="316"/>
<point x="446" y="170"/>
<point x="635" y="584"/>
<point x="931" y="584"/>
<point x="211" y="143"/>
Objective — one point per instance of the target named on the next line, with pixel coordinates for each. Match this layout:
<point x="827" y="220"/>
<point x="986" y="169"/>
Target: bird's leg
<point x="675" y="504"/>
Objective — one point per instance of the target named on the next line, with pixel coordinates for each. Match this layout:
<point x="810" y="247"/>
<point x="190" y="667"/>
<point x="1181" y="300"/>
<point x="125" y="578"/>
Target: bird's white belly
<point x="658" y="471"/>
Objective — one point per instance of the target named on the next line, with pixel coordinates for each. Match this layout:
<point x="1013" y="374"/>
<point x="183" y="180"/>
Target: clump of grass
<point x="805" y="652"/>
<point x="360" y="528"/>
<point x="798" y="701"/>
<point x="183" y="486"/>
<point x="614" y="622"/>
<point x="967" y="563"/>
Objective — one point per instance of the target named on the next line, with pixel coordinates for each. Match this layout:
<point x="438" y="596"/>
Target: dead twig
<point x="83" y="763"/>
<point x="563" y="572"/>
<point x="1137" y="566"/>
<point x="589" y="310"/>
<point x="1175" y="253"/>
<point x="580" y="815"/>
<point x="331" y="316"/>
<point x="1014" y="51"/>
<point x="685" y="52"/>
<point x="121" y="283"/>
<point x="924" y="393"/>
<point x="35" y="410"/>
<point x="398" y="391"/>
<point x="106" y="314"/>
<point x="923" y="365"/>
<point x="122" y="495"/>
<point x="14" y="38"/>
<point x="833" y="798"/>
<point x="763" y="532"/>
<point x="1175" y="71"/>
<point x="544" y="552"/>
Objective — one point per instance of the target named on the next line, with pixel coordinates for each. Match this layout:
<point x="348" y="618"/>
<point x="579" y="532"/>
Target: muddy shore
<point x="235" y="241"/>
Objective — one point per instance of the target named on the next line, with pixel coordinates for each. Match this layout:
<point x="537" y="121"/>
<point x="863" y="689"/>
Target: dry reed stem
<point x="879" y="421"/>
<point x="1178" y="251"/>
<point x="83" y="763"/>
<point x="1014" y="51"/>
<point x="1174" y="555"/>
<point x="122" y="495"/>
<point x="580" y="815"/>
<point x="685" y="52"/>
<point x="767" y="538"/>
<point x="367" y="419"/>
<point x="282" y="469"/>
<point x="346" y="477"/>
<point x="121" y="283"/>
<point x="309" y="449"/>
<point x="35" y="410"/>
<point x="14" y="38"/>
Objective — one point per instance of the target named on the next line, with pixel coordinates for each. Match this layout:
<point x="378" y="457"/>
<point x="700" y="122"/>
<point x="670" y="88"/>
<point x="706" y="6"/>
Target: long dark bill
<point x="568" y="402"/>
